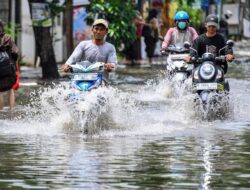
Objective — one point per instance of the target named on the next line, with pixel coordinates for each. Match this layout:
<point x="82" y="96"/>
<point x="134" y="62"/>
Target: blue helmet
<point x="181" y="15"/>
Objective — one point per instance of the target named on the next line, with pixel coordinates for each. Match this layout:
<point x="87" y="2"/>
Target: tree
<point x="44" y="48"/>
<point x="120" y="14"/>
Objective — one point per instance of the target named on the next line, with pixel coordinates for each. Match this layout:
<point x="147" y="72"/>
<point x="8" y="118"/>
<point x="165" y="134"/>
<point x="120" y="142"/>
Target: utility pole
<point x="220" y="9"/>
<point x="248" y="7"/>
<point x="68" y="29"/>
<point x="18" y="22"/>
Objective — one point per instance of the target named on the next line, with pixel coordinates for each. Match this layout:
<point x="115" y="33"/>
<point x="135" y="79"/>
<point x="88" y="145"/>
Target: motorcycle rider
<point x="181" y="32"/>
<point x="95" y="50"/>
<point x="211" y="42"/>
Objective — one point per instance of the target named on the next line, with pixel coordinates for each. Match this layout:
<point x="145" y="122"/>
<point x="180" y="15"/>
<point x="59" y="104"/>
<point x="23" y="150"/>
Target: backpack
<point x="7" y="72"/>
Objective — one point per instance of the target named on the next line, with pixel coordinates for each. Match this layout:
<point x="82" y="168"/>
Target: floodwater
<point x="139" y="134"/>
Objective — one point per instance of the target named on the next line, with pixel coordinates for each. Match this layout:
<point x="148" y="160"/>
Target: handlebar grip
<point x="164" y="52"/>
<point x="70" y="69"/>
<point x="221" y="59"/>
<point x="193" y="59"/>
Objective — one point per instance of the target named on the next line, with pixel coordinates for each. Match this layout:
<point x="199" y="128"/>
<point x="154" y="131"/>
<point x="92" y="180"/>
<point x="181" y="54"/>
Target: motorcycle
<point x="178" y="70"/>
<point x="209" y="83"/>
<point x="87" y="76"/>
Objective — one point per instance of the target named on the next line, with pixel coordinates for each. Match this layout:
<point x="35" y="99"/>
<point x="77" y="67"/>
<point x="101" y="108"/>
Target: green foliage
<point x="11" y="29"/>
<point x="120" y="15"/>
<point x="56" y="7"/>
<point x="188" y="2"/>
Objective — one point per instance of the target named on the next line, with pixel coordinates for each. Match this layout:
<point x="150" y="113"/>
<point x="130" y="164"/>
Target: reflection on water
<point x="176" y="160"/>
<point x="141" y="134"/>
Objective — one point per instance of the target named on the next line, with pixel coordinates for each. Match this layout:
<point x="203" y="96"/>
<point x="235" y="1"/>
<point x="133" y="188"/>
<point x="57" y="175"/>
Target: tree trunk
<point x="43" y="40"/>
<point x="68" y="28"/>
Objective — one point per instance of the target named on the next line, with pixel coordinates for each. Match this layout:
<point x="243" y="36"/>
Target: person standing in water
<point x="9" y="75"/>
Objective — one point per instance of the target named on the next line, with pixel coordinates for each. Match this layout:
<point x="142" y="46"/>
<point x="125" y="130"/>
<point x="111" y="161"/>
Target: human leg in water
<point x="11" y="96"/>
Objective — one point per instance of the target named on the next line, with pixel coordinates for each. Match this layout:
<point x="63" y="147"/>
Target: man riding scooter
<point x="95" y="50"/>
<point x="211" y="42"/>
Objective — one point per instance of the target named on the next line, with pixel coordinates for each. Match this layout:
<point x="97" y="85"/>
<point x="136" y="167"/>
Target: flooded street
<point x="140" y="133"/>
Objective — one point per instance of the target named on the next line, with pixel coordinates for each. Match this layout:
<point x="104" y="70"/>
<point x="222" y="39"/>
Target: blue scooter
<point x="86" y="75"/>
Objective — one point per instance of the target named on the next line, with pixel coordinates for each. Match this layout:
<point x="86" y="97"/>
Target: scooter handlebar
<point x="220" y="58"/>
<point x="195" y="60"/>
<point x="164" y="52"/>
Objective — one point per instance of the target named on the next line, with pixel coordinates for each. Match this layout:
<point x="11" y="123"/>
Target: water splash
<point x="155" y="108"/>
<point x="59" y="108"/>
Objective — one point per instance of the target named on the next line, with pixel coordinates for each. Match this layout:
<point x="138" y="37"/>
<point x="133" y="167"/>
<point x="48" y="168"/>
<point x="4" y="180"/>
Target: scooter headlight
<point x="207" y="71"/>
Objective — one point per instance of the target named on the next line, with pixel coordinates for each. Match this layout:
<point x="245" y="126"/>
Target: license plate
<point x="206" y="86"/>
<point x="178" y="56"/>
<point x="85" y="77"/>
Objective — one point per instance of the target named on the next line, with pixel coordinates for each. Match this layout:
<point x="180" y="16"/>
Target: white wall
<point x="27" y="34"/>
<point x="58" y="44"/>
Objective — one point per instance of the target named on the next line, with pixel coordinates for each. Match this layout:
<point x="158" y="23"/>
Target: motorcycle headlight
<point x="219" y="74"/>
<point x="207" y="71"/>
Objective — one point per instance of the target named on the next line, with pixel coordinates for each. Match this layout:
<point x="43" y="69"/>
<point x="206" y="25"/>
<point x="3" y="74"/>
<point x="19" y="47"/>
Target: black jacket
<point x="204" y="44"/>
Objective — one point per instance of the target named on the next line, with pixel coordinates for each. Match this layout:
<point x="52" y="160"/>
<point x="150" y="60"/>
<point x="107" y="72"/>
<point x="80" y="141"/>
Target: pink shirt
<point x="174" y="36"/>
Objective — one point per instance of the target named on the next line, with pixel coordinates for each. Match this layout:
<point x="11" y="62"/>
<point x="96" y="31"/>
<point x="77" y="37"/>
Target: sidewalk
<point x="30" y="75"/>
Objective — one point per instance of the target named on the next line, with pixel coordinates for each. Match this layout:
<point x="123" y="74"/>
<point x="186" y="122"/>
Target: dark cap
<point x="212" y="20"/>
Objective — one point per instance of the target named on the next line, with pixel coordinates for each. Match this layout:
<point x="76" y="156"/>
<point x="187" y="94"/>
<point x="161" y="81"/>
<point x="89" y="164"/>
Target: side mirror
<point x="187" y="45"/>
<point x="160" y="38"/>
<point x="230" y="43"/>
